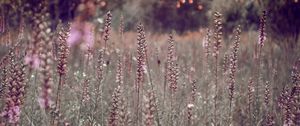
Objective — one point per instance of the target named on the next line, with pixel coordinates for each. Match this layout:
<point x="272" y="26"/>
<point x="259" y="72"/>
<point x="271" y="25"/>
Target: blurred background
<point x="186" y="17"/>
<point x="180" y="15"/>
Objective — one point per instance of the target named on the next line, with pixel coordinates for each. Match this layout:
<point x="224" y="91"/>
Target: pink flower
<point x="75" y="36"/>
<point x="81" y="33"/>
<point x="88" y="34"/>
<point x="32" y="60"/>
<point x="44" y="103"/>
<point x="13" y="114"/>
<point x="190" y="105"/>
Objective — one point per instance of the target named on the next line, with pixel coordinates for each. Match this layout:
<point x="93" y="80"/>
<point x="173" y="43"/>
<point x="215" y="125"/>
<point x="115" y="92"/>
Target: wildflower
<point x="190" y="105"/>
<point x="32" y="60"/>
<point x="81" y="33"/>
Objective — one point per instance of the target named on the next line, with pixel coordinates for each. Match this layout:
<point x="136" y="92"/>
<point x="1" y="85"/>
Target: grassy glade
<point x="162" y="80"/>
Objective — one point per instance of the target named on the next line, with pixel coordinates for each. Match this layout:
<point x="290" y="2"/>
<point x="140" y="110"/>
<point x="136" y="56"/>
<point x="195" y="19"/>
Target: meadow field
<point x="80" y="73"/>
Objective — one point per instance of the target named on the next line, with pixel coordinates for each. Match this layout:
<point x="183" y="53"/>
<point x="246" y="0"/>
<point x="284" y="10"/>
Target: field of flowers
<point x="81" y="73"/>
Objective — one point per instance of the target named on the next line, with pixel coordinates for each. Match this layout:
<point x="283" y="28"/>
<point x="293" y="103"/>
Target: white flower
<point x="190" y="105"/>
<point x="100" y="20"/>
<point x="134" y="58"/>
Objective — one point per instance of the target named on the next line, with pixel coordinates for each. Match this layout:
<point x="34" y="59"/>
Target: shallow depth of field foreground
<point x="149" y="63"/>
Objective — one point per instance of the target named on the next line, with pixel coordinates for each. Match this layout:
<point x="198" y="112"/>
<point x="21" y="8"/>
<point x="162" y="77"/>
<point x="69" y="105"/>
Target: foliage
<point x="168" y="15"/>
<point x="283" y="20"/>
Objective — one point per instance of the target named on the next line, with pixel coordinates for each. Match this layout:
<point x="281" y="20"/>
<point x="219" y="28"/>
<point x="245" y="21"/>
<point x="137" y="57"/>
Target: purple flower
<point x="81" y="33"/>
<point x="44" y="103"/>
<point x="75" y="36"/>
<point x="32" y="60"/>
<point x="89" y="34"/>
<point x="13" y="114"/>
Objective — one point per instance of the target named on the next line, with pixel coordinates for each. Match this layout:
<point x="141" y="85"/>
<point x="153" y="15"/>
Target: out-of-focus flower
<point x="43" y="102"/>
<point x="205" y="43"/>
<point x="13" y="114"/>
<point x="100" y="20"/>
<point x="102" y="4"/>
<point x="190" y="105"/>
<point x="178" y="5"/>
<point x="86" y="9"/>
<point x="81" y="33"/>
<point x="88" y="34"/>
<point x="200" y="7"/>
<point x="32" y="60"/>
<point x="75" y="36"/>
